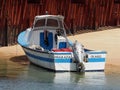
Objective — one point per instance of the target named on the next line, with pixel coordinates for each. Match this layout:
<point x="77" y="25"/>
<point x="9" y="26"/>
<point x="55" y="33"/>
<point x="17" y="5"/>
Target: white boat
<point x="46" y="45"/>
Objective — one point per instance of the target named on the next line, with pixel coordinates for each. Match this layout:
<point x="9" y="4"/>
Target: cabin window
<point x="40" y="23"/>
<point x="52" y="23"/>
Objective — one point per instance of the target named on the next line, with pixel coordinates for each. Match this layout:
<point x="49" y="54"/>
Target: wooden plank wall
<point x="16" y="15"/>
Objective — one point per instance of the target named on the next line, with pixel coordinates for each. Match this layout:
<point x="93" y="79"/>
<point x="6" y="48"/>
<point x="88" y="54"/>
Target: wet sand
<point x="12" y="61"/>
<point x="13" y="57"/>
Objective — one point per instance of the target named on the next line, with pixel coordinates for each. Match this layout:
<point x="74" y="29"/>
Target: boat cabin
<point x="48" y="32"/>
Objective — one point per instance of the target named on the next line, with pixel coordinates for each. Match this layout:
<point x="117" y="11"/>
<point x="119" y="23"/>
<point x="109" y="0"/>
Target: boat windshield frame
<point x="55" y="22"/>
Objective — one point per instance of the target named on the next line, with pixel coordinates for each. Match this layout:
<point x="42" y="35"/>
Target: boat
<point x="46" y="45"/>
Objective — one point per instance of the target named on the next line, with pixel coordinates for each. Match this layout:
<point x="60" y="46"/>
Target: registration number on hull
<point x="95" y="56"/>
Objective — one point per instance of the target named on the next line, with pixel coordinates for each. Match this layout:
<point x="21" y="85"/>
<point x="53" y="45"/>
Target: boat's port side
<point x="57" y="61"/>
<point x="40" y="58"/>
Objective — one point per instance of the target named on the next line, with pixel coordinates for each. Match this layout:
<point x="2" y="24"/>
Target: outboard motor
<point x="79" y="56"/>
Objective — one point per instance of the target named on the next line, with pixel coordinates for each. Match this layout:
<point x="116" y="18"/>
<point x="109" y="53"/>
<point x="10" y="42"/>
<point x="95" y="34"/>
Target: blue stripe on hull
<point x="96" y="59"/>
<point x="56" y="60"/>
<point x="68" y="60"/>
<point x="62" y="60"/>
<point x="40" y="58"/>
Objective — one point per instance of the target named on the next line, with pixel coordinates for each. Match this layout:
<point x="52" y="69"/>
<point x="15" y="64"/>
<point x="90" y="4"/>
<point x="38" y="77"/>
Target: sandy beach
<point x="108" y="40"/>
<point x="13" y="61"/>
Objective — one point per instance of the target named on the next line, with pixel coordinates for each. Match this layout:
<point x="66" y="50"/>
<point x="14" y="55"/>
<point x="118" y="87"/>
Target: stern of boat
<point x="95" y="60"/>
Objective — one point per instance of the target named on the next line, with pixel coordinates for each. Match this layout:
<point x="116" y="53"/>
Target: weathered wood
<point x="91" y="14"/>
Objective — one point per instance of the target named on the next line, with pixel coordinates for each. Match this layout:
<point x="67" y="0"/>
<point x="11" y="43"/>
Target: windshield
<point x="52" y="23"/>
<point x="40" y="23"/>
<point x="49" y="22"/>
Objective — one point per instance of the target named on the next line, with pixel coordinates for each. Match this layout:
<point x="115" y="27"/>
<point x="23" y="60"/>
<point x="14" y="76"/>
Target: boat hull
<point x="46" y="45"/>
<point x="60" y="61"/>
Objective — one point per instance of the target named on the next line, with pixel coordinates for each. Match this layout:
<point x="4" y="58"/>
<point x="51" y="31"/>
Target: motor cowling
<point x="79" y="55"/>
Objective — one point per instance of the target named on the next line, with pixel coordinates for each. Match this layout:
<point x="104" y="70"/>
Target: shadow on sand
<point x="23" y="60"/>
